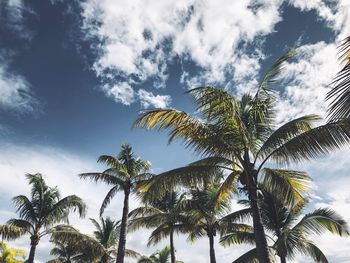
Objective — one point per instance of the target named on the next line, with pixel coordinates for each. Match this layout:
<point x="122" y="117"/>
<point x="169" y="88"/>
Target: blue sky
<point x="75" y="74"/>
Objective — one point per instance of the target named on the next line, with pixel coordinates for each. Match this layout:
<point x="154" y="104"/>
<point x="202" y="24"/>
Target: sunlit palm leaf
<point x="287" y="185"/>
<point x="10" y="232"/>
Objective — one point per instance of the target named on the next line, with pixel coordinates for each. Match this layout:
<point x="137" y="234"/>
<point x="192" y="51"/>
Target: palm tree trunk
<point x="34" y="240"/>
<point x="211" y="249"/>
<point x="123" y="226"/>
<point x="283" y="260"/>
<point x="260" y="237"/>
<point x="172" y="248"/>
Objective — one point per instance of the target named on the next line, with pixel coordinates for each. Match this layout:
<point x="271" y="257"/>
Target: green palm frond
<point x="63" y="206"/>
<point x="113" y="162"/>
<point x="273" y="73"/>
<point x="339" y="96"/>
<point x="313" y="143"/>
<point x="187" y="175"/>
<point x="109" y="196"/>
<point x="322" y="219"/>
<point x="242" y="215"/>
<point x="289" y="186"/>
<point x="248" y="257"/>
<point x="286" y="132"/>
<point x="160" y="233"/>
<point x="25" y="208"/>
<point x="103" y="177"/>
<point x="9" y="232"/>
<point x="311" y="250"/>
<point x="238" y="237"/>
<point x="228" y="187"/>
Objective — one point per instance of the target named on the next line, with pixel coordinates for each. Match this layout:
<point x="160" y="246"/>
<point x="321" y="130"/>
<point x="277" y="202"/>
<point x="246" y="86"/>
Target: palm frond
<point x="289" y="186"/>
<point x="273" y="73"/>
<point x="340" y="94"/>
<point x="111" y="193"/>
<point x="322" y="219"/>
<point x="187" y="175"/>
<point x="238" y="237"/>
<point x="286" y="132"/>
<point x="311" y="250"/>
<point x="248" y="257"/>
<point x="313" y="143"/>
<point x="60" y="210"/>
<point x="10" y="232"/>
<point x="25" y="208"/>
<point x="103" y="177"/>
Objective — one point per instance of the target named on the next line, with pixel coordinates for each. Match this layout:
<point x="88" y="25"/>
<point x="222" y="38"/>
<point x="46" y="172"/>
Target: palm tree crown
<point x="239" y="136"/>
<point x="125" y="172"/>
<point x="165" y="214"/>
<point x="39" y="213"/>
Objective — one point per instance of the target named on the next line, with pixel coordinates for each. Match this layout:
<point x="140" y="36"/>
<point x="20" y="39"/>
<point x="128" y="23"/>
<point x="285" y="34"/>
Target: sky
<point x="74" y="75"/>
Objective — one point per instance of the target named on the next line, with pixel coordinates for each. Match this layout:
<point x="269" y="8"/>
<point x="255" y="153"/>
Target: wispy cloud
<point x="15" y="91"/>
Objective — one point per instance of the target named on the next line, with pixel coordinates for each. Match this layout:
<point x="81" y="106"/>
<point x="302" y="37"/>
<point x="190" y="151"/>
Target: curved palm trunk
<point x="34" y="241"/>
<point x="211" y="249"/>
<point x="283" y="260"/>
<point x="260" y="237"/>
<point x="123" y="226"/>
<point x="172" y="248"/>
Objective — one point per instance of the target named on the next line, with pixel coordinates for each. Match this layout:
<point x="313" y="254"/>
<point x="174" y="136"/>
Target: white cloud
<point x="148" y="99"/>
<point x="316" y="64"/>
<point x="121" y="92"/>
<point x="138" y="39"/>
<point x="15" y="91"/>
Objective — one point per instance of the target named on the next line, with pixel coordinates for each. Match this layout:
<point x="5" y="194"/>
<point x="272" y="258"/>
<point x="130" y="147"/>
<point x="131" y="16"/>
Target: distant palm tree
<point x="291" y="230"/>
<point x="39" y="213"/>
<point x="339" y="96"/>
<point x="79" y="247"/>
<point x="11" y="255"/>
<point x="210" y="216"/>
<point x="124" y="173"/>
<point x="165" y="215"/>
<point x="161" y="256"/>
<point x="239" y="135"/>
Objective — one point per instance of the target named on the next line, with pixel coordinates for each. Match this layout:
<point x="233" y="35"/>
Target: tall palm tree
<point x="165" y="215"/>
<point x="210" y="216"/>
<point x="291" y="231"/>
<point x="239" y="135"/>
<point x="339" y="96"/>
<point x="11" y="255"/>
<point x="39" y="213"/>
<point x="161" y="256"/>
<point x="124" y="173"/>
<point x="79" y="247"/>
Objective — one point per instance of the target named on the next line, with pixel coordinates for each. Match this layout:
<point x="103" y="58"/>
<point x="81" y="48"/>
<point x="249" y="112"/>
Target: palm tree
<point x="124" y="173"/>
<point x="239" y="135"/>
<point x="340" y="94"/>
<point x="165" y="215"/>
<point x="79" y="247"/>
<point x="291" y="232"/>
<point x="161" y="256"/>
<point x="10" y="255"/>
<point x="210" y="216"/>
<point x="39" y="213"/>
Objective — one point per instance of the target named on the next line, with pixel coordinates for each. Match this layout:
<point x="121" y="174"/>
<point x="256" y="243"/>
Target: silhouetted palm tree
<point x="291" y="231"/>
<point x="165" y="215"/>
<point x="39" y="213"/>
<point x="124" y="173"/>
<point x="210" y="216"/>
